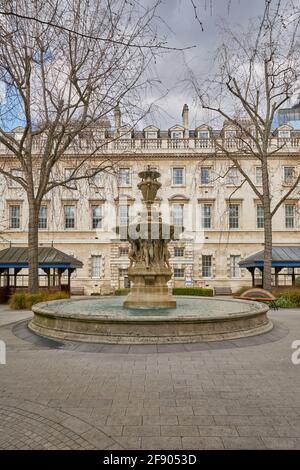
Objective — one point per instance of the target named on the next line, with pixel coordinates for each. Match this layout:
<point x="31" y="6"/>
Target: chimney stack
<point x="185" y="120"/>
<point x="117" y="114"/>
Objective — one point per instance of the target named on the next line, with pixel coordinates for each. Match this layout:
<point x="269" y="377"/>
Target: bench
<point x="77" y="290"/>
<point x="223" y="290"/>
<point x="259" y="295"/>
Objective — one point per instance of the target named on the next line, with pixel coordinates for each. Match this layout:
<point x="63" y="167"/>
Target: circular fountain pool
<point x="104" y="320"/>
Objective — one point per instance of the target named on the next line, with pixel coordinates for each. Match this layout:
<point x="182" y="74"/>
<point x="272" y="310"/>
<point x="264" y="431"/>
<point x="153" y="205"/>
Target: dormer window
<point x="203" y="135"/>
<point x="99" y="135"/>
<point x="230" y="134"/>
<point x="284" y="134"/>
<point x="176" y="134"/>
<point x="125" y="133"/>
<point x="151" y="134"/>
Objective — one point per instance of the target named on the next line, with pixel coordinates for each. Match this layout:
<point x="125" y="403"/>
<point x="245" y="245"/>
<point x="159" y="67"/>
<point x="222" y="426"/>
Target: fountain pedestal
<point x="149" y="288"/>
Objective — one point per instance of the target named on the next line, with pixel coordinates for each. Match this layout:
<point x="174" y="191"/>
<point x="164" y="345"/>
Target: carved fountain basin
<point x="104" y="320"/>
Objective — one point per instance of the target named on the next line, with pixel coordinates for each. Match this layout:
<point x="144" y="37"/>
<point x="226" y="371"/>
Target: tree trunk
<point x="267" y="272"/>
<point x="33" y="245"/>
<point x="267" y="279"/>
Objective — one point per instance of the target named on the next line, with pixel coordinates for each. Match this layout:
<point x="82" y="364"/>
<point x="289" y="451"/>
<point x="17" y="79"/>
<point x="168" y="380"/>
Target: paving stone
<point x="161" y="443"/>
<point x="141" y="431"/>
<point x="208" y="431"/>
<point x="202" y="443"/>
<point x="247" y="443"/>
<point x="173" y="431"/>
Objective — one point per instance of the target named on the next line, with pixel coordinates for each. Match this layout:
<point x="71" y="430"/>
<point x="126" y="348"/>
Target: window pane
<point x="124" y="176"/>
<point x="203" y="134"/>
<point x="69" y="216"/>
<point x="179" y="273"/>
<point x="178" y="252"/>
<point x="205" y="175"/>
<point x="260" y="222"/>
<point x="289" y="174"/>
<point x="96" y="266"/>
<point x="289" y="216"/>
<point x="206" y="216"/>
<point x="206" y="265"/>
<point x="258" y="175"/>
<point x="234" y="210"/>
<point x="14" y="216"/>
<point x="96" y="216"/>
<point x="234" y="266"/>
<point x="43" y="217"/>
<point x="124" y="214"/>
<point x="178" y="214"/>
<point x="177" y="175"/>
<point x="233" y="176"/>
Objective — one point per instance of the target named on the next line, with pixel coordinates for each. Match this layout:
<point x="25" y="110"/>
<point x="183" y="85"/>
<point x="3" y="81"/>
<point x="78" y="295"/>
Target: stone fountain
<point x="149" y="268"/>
<point x="148" y="315"/>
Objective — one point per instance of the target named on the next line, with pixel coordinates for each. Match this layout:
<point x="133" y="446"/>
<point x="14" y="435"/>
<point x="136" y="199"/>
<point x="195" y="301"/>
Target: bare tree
<point x="256" y="72"/>
<point x="65" y="65"/>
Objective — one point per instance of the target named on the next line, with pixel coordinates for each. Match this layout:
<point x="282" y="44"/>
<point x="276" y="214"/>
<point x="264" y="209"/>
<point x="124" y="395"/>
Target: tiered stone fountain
<point x="149" y="268"/>
<point x="149" y="314"/>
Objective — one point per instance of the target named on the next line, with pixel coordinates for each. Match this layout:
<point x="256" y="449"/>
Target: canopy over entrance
<point x="55" y="269"/>
<point x="282" y="257"/>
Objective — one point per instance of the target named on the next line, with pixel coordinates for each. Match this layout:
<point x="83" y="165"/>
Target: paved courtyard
<point x="242" y="394"/>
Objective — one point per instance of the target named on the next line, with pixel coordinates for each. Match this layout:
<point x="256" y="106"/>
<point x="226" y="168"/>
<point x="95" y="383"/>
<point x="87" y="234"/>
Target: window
<point x="124" y="214"/>
<point x="69" y="216"/>
<point x="203" y="134"/>
<point x="123" y="251"/>
<point x="230" y="134"/>
<point x="97" y="216"/>
<point x="206" y="215"/>
<point x="178" y="176"/>
<point x="176" y="135"/>
<point x="233" y="176"/>
<point x="151" y="135"/>
<point x="179" y="273"/>
<point x="97" y="179"/>
<point x="17" y="173"/>
<point x="289" y="216"/>
<point x="178" y="214"/>
<point x="258" y="175"/>
<point x="43" y="217"/>
<point x="205" y="175"/>
<point x="206" y="265"/>
<point x="124" y="177"/>
<point x="178" y="252"/>
<point x="14" y="216"/>
<point x="234" y="215"/>
<point x="260" y="220"/>
<point x="284" y="134"/>
<point x="288" y="174"/>
<point x="70" y="173"/>
<point x="96" y="267"/>
<point x="234" y="266"/>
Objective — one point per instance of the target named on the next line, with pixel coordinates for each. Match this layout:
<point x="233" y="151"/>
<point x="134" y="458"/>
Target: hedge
<point x="24" y="300"/>
<point x="197" y="291"/>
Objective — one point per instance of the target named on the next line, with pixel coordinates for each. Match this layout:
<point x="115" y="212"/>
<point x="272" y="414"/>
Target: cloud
<point x="181" y="30"/>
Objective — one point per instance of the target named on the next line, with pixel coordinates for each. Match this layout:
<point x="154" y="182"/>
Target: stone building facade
<point x="200" y="189"/>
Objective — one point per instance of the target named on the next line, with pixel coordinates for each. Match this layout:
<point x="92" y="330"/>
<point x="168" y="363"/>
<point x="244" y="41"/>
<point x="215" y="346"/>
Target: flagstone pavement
<point x="242" y="394"/>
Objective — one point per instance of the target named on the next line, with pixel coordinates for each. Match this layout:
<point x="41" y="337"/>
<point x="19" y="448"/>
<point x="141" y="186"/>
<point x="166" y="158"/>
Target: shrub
<point x="25" y="301"/>
<point x="284" y="302"/>
<point x="287" y="297"/>
<point x="198" y="291"/>
<point x="123" y="291"/>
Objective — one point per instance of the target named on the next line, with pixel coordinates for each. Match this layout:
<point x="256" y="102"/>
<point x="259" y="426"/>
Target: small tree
<point x="256" y="73"/>
<point x="65" y="64"/>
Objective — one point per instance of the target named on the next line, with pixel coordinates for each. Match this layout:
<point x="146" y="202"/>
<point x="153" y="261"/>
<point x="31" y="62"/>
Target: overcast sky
<point x="184" y="30"/>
